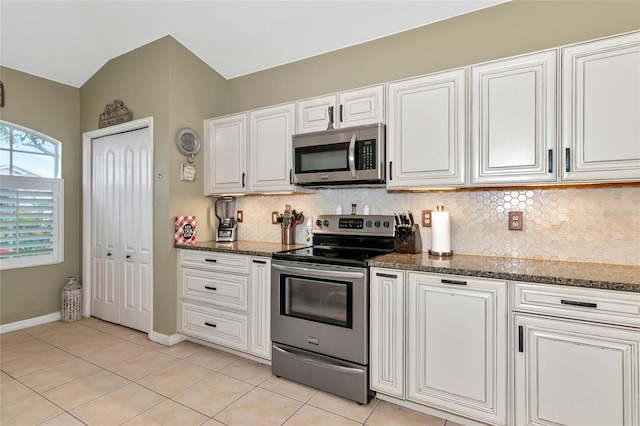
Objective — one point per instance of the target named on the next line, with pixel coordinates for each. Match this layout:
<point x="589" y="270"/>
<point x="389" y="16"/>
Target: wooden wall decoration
<point x="114" y="113"/>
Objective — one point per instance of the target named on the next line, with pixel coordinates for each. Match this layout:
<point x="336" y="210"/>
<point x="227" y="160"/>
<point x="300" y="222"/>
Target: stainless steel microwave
<point x="352" y="156"/>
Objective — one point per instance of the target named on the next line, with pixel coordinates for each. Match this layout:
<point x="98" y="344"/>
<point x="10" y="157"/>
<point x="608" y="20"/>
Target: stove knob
<point x="386" y="224"/>
<point x="325" y="222"/>
<point x="319" y="222"/>
<point x="368" y="224"/>
<point x="377" y="224"/>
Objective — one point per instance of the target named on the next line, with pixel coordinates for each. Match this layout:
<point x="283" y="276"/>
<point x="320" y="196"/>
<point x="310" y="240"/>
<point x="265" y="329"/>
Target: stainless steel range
<point x="320" y="304"/>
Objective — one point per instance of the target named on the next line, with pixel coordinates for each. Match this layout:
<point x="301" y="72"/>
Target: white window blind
<point x="31" y="221"/>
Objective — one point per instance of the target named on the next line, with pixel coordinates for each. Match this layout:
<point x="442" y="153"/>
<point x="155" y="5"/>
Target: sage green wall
<point x="52" y="109"/>
<point x="166" y="81"/>
<point x="496" y="32"/>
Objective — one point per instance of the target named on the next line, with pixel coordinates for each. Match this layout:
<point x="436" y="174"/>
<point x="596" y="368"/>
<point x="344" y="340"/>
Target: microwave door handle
<point x="352" y="155"/>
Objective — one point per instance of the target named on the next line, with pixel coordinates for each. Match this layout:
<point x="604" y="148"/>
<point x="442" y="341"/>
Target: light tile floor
<point x="92" y="372"/>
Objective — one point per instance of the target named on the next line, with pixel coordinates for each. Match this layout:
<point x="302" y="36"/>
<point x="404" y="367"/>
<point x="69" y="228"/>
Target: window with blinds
<point x="31" y="221"/>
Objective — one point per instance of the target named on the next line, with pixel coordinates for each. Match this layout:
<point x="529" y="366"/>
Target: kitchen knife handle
<point x="411" y="221"/>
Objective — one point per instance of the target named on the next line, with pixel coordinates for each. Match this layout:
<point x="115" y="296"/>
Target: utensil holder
<point x="408" y="240"/>
<point x="288" y="235"/>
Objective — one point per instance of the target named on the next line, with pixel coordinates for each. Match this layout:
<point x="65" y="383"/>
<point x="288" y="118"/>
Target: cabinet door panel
<point x="313" y="114"/>
<point x="426" y="131"/>
<point x="601" y="106"/>
<point x="361" y="106"/>
<point x="270" y="156"/>
<point x="514" y="120"/>
<point x="260" y="312"/>
<point x="225" y="155"/>
<point x="457" y="345"/>
<point x="573" y="373"/>
<point x="387" y="332"/>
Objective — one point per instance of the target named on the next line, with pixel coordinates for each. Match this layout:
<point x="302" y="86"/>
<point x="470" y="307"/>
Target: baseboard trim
<point x="31" y="322"/>
<point x="163" y="339"/>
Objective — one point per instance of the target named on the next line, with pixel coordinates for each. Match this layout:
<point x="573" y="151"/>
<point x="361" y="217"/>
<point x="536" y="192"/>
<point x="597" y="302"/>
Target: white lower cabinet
<point x="441" y="342"/>
<point x="579" y="364"/>
<point x="224" y="300"/>
<point x="457" y="345"/>
<point x="387" y="331"/>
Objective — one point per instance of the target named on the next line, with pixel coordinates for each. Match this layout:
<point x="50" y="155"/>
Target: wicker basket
<point x="71" y="305"/>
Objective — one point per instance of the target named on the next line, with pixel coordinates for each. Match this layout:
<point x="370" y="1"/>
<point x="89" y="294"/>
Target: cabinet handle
<point x="128" y="256"/>
<point x="378" y="274"/>
<point x="243" y="180"/>
<point x="291" y="176"/>
<point x="576" y="303"/>
<point x="108" y="254"/>
<point x="520" y="338"/>
<point x="259" y="261"/>
<point x="443" y="281"/>
<point x="567" y="160"/>
<point x="550" y="161"/>
<point x="210" y="325"/>
<point x="390" y="170"/>
<point x="341" y="113"/>
<point x="210" y="260"/>
<point x="210" y="288"/>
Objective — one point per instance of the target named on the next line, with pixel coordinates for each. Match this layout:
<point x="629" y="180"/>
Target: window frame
<point x="58" y="147"/>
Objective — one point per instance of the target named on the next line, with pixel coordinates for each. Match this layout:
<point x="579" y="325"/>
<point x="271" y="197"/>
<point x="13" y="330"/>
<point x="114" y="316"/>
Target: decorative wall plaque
<point x="115" y="113"/>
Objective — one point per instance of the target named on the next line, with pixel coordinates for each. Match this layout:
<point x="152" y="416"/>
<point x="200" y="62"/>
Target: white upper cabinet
<point x="513" y="120"/>
<point x="601" y="110"/>
<point x="270" y="148"/>
<point x="426" y="131"/>
<point x="345" y="109"/>
<point x="225" y="155"/>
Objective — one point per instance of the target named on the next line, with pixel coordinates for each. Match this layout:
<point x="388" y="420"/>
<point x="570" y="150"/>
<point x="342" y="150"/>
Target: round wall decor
<point x="188" y="143"/>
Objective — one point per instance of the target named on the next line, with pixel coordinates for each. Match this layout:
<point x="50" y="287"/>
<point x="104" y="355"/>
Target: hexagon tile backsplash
<point x="594" y="224"/>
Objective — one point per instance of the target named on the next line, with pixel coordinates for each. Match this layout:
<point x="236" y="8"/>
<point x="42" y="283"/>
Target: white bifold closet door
<point x="122" y="224"/>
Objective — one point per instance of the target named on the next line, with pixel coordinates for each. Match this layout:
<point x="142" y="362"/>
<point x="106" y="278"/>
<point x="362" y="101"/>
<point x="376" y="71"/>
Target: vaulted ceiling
<point x="68" y="41"/>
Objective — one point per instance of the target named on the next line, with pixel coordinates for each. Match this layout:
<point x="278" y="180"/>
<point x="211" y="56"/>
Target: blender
<point x="226" y="214"/>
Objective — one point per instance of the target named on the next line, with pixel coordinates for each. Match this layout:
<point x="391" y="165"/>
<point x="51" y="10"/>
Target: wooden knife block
<point x="409" y="241"/>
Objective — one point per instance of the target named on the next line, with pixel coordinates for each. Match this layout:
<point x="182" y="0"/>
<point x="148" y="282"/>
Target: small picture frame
<point x="187" y="172"/>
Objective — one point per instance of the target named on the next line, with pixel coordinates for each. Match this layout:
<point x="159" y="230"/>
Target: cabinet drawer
<point x="581" y="303"/>
<point x="215" y="326"/>
<point x="215" y="261"/>
<point x="223" y="289"/>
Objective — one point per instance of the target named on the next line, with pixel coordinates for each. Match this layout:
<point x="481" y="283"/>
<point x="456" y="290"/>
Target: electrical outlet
<point x="239" y="216"/>
<point x="426" y="218"/>
<point x="515" y="221"/>
<point x="274" y="218"/>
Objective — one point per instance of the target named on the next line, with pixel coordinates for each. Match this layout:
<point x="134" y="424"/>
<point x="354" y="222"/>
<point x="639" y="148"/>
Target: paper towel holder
<point x="440" y="253"/>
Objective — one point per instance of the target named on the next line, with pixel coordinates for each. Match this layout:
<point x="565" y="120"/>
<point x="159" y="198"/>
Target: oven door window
<point x="318" y="300"/>
<point x="322" y="158"/>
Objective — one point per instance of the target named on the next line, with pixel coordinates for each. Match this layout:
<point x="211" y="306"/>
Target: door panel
<point x="122" y="228"/>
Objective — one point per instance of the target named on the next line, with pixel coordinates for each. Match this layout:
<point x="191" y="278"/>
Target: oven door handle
<point x="352" y="155"/>
<point x="340" y="368"/>
<point x="319" y="273"/>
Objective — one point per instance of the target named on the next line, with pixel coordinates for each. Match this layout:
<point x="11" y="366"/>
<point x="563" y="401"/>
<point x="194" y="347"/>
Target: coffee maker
<point x="226" y="214"/>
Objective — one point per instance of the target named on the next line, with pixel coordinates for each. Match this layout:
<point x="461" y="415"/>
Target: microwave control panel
<point x="366" y="154"/>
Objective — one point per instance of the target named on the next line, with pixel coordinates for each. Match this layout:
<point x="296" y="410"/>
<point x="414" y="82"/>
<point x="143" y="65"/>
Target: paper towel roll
<point x="440" y="232"/>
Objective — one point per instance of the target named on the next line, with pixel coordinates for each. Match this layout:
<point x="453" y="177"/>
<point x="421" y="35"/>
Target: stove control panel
<point x="354" y="224"/>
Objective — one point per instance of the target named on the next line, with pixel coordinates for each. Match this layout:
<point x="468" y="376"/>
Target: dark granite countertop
<point x="577" y="274"/>
<point x="250" y="248"/>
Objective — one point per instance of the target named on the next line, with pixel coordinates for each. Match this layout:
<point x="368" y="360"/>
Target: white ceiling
<point x="68" y="41"/>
